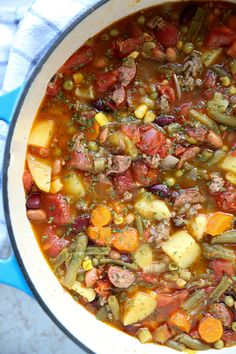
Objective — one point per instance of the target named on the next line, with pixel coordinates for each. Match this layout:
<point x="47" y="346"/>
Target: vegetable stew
<point x="130" y="175"/>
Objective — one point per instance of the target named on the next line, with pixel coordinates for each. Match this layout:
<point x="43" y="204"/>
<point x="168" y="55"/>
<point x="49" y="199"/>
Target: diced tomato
<point x="124" y="48"/>
<point x="131" y="132"/>
<point x="27" y="180"/>
<point x="220" y="36"/>
<point x="232" y="50"/>
<point x="229" y="337"/>
<point x="135" y="30"/>
<point x="169" y="303"/>
<point x="184" y="109"/>
<point x="143" y="174"/>
<point x="148" y="278"/>
<point x="168" y="92"/>
<point x="221" y="267"/>
<point x="81" y="57"/>
<point x="106" y="80"/>
<point x="167" y="35"/>
<point x="103" y="288"/>
<point x="226" y="201"/>
<point x="151" y="141"/>
<point x="53" y="244"/>
<point x="53" y="85"/>
<point x="124" y="182"/>
<point x="57" y="209"/>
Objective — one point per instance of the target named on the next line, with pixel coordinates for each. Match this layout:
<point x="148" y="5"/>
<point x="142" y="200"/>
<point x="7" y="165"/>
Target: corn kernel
<point x="56" y="186"/>
<point x="232" y="90"/>
<point x="231" y="177"/>
<point x="118" y="219"/>
<point x="180" y="283"/>
<point x="78" y="78"/>
<point x="225" y="81"/>
<point x="149" y="117"/>
<point x="101" y="119"/>
<point x="170" y="182"/>
<point x="179" y="173"/>
<point x="140" y="111"/>
<point x="87" y="265"/>
<point x="134" y="54"/>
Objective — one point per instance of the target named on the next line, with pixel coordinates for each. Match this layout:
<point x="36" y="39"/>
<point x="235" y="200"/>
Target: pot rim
<point x="6" y="160"/>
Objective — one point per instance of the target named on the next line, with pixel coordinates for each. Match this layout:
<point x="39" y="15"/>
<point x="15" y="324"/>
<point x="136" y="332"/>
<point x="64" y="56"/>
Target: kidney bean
<point x="34" y="201"/>
<point x="81" y="222"/>
<point x="37" y="216"/>
<point x="103" y="135"/>
<point x="56" y="167"/>
<point x="164" y="120"/>
<point x="161" y="190"/>
<point x="91" y="277"/>
<point x="99" y="105"/>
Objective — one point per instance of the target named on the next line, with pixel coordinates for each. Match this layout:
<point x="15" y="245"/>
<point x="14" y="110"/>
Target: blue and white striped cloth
<point x="25" y="36"/>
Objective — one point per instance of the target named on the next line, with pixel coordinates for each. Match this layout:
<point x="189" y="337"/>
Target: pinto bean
<point x="56" y="167"/>
<point x="103" y="135"/>
<point x="91" y="277"/>
<point x="120" y="278"/>
<point x="114" y="254"/>
<point x="37" y="216"/>
<point x="214" y="140"/>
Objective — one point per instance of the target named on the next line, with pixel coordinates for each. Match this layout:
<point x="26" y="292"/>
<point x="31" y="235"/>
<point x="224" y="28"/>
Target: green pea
<point x="188" y="47"/>
<point x="147" y="47"/>
<point x="68" y="85"/>
<point x="141" y="20"/>
<point x="114" y="32"/>
<point x="229" y="301"/>
<point x="219" y="344"/>
<point x="93" y="146"/>
<point x="71" y="129"/>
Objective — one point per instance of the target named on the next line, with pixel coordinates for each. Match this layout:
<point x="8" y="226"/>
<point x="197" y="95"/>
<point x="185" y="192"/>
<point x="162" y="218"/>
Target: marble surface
<point x="26" y="329"/>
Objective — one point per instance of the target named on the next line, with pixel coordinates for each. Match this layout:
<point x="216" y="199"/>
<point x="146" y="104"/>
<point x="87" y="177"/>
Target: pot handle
<point x="10" y="272"/>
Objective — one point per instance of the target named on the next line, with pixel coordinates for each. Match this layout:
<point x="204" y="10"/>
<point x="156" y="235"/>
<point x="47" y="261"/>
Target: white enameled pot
<point x="73" y="319"/>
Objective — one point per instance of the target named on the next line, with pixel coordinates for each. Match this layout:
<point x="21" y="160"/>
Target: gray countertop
<point x="26" y="329"/>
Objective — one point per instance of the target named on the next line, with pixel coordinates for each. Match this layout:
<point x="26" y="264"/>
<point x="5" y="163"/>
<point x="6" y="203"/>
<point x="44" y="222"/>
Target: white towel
<point x="25" y="36"/>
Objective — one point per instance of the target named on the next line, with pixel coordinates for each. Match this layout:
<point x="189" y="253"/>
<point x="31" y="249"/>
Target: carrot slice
<point x="180" y="320"/>
<point x="92" y="133"/>
<point x="101" y="215"/>
<point x="219" y="222"/>
<point x="210" y="329"/>
<point x="100" y="235"/>
<point x="126" y="241"/>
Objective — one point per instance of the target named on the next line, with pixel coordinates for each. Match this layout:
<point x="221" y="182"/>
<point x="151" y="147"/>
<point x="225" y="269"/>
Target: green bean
<point x="77" y="257"/>
<point x="217" y="156"/>
<point x="131" y="266"/>
<point x="114" y="307"/>
<point x="139" y="226"/>
<point x="221" y="288"/>
<point x="102" y="314"/>
<point x="217" y="251"/>
<point x="98" y="251"/>
<point x="193" y="343"/>
<point x="222" y="118"/>
<point x="227" y="237"/>
<point x="220" y="71"/>
<point x="60" y="259"/>
<point x="193" y="300"/>
<point x="175" y="345"/>
<point x="196" y="24"/>
<point x="204" y="119"/>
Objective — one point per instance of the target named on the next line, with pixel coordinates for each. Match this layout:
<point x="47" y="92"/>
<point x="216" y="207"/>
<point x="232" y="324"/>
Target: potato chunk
<point x="40" y="170"/>
<point x="182" y="249"/>
<point x="88" y="293"/>
<point x="152" y="208"/>
<point x="42" y="133"/>
<point x="229" y="163"/>
<point x="143" y="255"/>
<point x="138" y="307"/>
<point x="197" y="226"/>
<point x="73" y="184"/>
